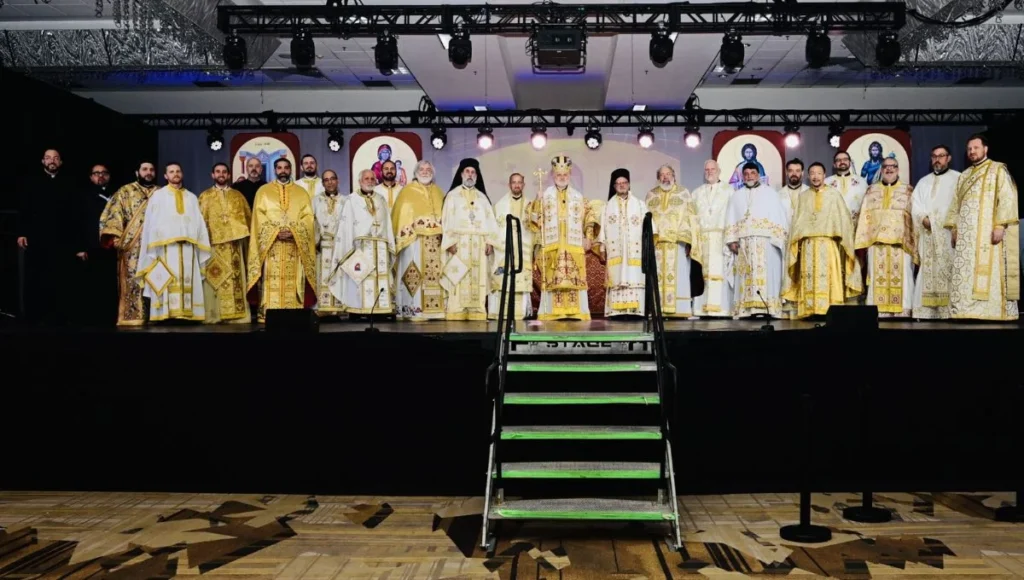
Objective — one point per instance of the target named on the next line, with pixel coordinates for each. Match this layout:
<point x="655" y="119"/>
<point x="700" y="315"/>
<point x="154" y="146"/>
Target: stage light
<point x="385" y="53"/>
<point x="731" y="56"/>
<point x="539" y="138"/>
<point x="215" y="139"/>
<point x="335" y="139"/>
<point x="460" y="49"/>
<point x="645" y="137"/>
<point x="661" y="48"/>
<point x="818" y="49"/>
<point x="234" y="53"/>
<point x="834" y="132"/>
<point x="593" y="137"/>
<point x="439" y="137"/>
<point x="303" y="50"/>
<point x="692" y="137"/>
<point x="887" y="51"/>
<point x="792" y="136"/>
<point x="485" y="138"/>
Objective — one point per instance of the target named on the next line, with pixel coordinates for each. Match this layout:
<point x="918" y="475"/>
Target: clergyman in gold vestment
<point x="227" y="217"/>
<point x="121" y="228"/>
<point x="986" y="237"/>
<point x="821" y="268"/>
<point x="282" y="246"/>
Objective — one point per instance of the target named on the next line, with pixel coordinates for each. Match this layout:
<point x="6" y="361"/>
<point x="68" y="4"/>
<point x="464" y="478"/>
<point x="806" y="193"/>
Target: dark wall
<point x="37" y="116"/>
<point x="1004" y="145"/>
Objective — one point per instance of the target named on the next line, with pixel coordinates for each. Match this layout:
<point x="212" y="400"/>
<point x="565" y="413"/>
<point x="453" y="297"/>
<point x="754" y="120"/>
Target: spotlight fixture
<point x="385" y="53"/>
<point x="234" y="53"/>
<point x="335" y="139"/>
<point x="887" y="51"/>
<point x="692" y="137"/>
<point x="731" y="56"/>
<point x="818" y="49"/>
<point x="215" y="138"/>
<point x="834" y="132"/>
<point x="645" y="137"/>
<point x="792" y="137"/>
<point x="593" y="137"/>
<point x="303" y="50"/>
<point x="485" y="137"/>
<point x="438" y="137"/>
<point x="539" y="137"/>
<point x="460" y="48"/>
<point x="661" y="48"/>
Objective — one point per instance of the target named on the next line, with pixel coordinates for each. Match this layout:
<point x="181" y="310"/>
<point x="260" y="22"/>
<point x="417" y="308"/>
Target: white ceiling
<point x="619" y="72"/>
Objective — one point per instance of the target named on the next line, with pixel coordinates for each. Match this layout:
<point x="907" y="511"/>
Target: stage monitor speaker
<point x="852" y="318"/>
<point x="292" y="321"/>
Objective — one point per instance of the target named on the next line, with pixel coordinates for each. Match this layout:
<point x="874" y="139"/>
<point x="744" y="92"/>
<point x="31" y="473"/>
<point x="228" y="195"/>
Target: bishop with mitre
<point x="677" y="243"/>
<point x="513" y="204"/>
<point x="985" y="229"/>
<point x="886" y="230"/>
<point x="470" y="233"/>
<point x="557" y="221"/>
<point x="364" y="250"/>
<point x="282" y="247"/>
<point x="175" y="249"/>
<point x="416" y="218"/>
<point x="756" y="232"/>
<point x="822" y="267"/>
<point x="227" y="215"/>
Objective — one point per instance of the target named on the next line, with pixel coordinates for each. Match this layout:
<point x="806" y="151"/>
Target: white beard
<point x="469" y="183"/>
<point x="366" y="191"/>
<point x="427" y="182"/>
<point x="750" y="183"/>
<point x="666" y="186"/>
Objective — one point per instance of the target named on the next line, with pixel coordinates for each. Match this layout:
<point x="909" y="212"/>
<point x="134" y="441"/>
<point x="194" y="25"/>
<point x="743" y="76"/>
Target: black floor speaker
<point x="292" y="320"/>
<point x="852" y="318"/>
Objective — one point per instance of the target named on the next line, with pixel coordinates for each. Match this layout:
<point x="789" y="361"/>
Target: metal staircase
<point x="580" y="421"/>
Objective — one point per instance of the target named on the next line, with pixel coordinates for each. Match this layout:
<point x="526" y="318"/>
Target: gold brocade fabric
<point x="225" y="275"/>
<point x="227" y="214"/>
<point x="416" y="212"/>
<point x="675" y="216"/>
<point x="885" y="218"/>
<point x="822" y="267"/>
<point x="985" y="284"/>
<point x="283" y="266"/>
<point x="561" y="220"/>
<point x="121" y="227"/>
<point x="596" y="269"/>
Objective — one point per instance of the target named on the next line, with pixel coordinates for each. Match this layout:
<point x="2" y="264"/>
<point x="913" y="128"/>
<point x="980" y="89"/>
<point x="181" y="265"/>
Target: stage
<point x="403" y="411"/>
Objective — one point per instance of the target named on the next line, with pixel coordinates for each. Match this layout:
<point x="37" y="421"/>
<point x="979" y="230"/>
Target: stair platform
<point x="582" y="509"/>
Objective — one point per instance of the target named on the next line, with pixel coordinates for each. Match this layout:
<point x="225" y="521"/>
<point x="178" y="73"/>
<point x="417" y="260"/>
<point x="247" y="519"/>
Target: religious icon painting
<point x="265" y="147"/>
<point x="357" y="266"/>
<point x="371" y="150"/>
<point x="868" y="148"/>
<point x="734" y="149"/>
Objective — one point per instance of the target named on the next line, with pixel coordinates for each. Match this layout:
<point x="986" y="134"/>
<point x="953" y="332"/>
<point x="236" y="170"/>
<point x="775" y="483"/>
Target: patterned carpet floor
<point x="137" y="536"/>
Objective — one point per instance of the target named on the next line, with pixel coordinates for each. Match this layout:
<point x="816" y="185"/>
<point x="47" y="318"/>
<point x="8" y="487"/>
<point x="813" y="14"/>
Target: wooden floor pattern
<point x="137" y="536"/>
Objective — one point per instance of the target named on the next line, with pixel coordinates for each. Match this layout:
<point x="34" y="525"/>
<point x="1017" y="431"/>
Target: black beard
<point x="389" y="178"/>
<point x="309" y="174"/>
<point x="146" y="182"/>
<point x="282" y="177"/>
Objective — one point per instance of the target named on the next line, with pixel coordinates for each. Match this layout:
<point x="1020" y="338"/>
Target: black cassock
<point x="100" y="288"/>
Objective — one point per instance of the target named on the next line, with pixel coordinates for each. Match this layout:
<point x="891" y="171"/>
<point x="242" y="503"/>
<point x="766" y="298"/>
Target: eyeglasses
<point x="940" y="156"/>
<point x="890" y="166"/>
<point x="101" y="173"/>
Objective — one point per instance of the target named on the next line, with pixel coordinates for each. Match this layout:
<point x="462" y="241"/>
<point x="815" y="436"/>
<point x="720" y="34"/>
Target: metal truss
<point x="529" y="119"/>
<point x="337" y="19"/>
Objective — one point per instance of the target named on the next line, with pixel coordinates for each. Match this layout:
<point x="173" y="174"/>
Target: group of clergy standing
<point x="945" y="249"/>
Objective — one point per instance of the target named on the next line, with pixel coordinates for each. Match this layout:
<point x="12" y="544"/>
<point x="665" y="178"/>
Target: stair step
<point x="581" y="337"/>
<point x="578" y="432"/>
<point x="580" y="470"/>
<point x="582" y="399"/>
<point x="582" y="367"/>
<point x="581" y="509"/>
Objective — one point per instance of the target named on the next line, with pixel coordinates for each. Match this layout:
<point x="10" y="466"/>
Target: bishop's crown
<point x="561" y="163"/>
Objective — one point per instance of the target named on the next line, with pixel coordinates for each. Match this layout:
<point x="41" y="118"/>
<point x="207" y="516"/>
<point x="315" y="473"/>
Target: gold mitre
<point x="561" y="163"/>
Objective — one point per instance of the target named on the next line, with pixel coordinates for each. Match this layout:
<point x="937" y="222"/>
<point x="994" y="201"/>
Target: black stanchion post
<point x="1015" y="513"/>
<point x="866" y="512"/>
<point x="805" y="532"/>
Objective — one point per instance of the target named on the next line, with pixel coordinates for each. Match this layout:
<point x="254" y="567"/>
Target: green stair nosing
<point x="547" y="367"/>
<point x="510" y="434"/>
<point x="579" y="474"/>
<point x="584" y="338"/>
<point x="528" y="399"/>
<point x="592" y="515"/>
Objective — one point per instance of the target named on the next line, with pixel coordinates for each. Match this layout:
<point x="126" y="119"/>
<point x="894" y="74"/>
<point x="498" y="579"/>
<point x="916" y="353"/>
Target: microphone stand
<point x="768" y="316"/>
<point x="371" y="328"/>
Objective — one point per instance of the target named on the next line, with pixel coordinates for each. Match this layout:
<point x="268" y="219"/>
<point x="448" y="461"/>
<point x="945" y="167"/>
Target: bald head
<point x="330" y="179"/>
<point x="711" y="171"/>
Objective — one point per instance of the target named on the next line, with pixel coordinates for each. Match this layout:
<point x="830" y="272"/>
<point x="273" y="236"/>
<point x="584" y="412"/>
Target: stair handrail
<point x="654" y="321"/>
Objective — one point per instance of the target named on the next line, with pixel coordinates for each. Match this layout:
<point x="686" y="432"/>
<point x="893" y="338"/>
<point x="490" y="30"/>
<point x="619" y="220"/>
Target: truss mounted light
<point x="335" y="139"/>
<point x="645" y="137"/>
<point x="460" y="48"/>
<point x="792" y="137"/>
<point x="887" y="51"/>
<point x="692" y="137"/>
<point x="438" y="137"/>
<point x="485" y="138"/>
<point x="235" y="53"/>
<point x="731" y="56"/>
<point x="303" y="49"/>
<point x="215" y="138"/>
<point x="385" y="53"/>
<point x="661" y="48"/>
<point x="539" y="137"/>
<point x="818" y="49"/>
<point x="834" y="134"/>
<point x="593" y="137"/>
